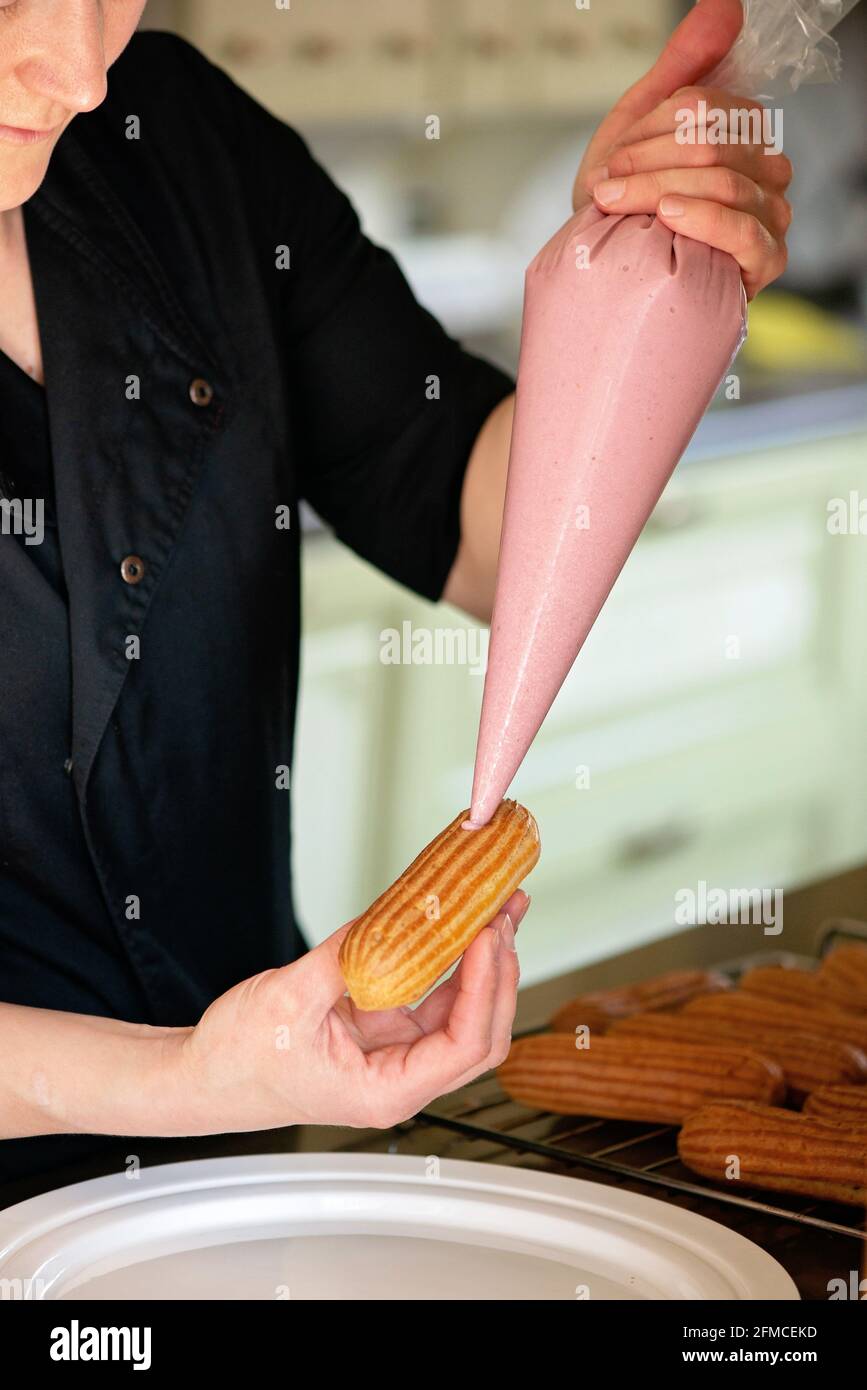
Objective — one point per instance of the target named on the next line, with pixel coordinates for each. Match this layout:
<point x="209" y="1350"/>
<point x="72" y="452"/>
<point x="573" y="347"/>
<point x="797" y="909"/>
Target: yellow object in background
<point x="786" y="332"/>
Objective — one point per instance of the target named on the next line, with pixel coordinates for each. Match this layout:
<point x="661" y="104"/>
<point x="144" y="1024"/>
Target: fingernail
<point x="523" y="912"/>
<point x="506" y="933"/>
<point x="671" y="207"/>
<point x="609" y="190"/>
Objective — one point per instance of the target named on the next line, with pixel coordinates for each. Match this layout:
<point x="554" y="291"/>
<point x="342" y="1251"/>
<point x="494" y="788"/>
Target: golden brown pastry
<point x="752" y="1010"/>
<point x="622" y="1079"/>
<point x="841" y="1104"/>
<point x="846" y="966"/>
<point x="803" y="987"/>
<point x="783" y="1150"/>
<point x="420" y="925"/>
<point x="808" y="1060"/>
<point x="600" y="1007"/>
<point x="581" y="1012"/>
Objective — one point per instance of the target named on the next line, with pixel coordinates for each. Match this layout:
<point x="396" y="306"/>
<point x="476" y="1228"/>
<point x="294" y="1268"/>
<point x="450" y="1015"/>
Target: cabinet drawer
<point x="718" y="605"/>
<point x="594" y="914"/>
<point x="656" y="800"/>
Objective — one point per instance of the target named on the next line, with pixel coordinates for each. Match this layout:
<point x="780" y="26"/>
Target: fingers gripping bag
<point x="628" y="330"/>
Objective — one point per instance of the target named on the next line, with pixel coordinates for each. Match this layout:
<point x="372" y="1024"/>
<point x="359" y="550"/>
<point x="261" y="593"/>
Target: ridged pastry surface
<point x="803" y="987"/>
<point x="419" y="926"/>
<point x="669" y="991"/>
<point x="621" y="1078"/>
<point x="808" y="1059"/>
<point x="783" y="1150"/>
<point x="840" y="1104"/>
<point x="846" y="966"/>
<point x="748" y="1010"/>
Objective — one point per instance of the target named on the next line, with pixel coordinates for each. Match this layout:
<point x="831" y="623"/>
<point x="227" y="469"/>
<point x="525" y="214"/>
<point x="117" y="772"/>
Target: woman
<point x="195" y="334"/>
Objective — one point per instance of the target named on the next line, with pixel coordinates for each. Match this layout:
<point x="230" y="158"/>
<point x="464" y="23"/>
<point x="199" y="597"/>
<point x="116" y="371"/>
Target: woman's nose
<point x="66" y="58"/>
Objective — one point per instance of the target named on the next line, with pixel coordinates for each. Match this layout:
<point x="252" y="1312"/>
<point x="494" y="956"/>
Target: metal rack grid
<point x="620" y="1149"/>
<point x="626" y="1151"/>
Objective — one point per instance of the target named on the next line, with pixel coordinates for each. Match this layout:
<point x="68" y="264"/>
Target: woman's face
<point x="54" y="55"/>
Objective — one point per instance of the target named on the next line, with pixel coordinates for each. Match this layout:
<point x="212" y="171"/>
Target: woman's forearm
<point x="472" y="579"/>
<point x="76" y="1074"/>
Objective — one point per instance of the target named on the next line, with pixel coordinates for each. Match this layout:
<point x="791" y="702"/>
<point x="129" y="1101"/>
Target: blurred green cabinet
<point x="711" y="729"/>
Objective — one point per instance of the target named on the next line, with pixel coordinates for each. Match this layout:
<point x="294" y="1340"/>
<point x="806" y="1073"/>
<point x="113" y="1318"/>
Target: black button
<point x="132" y="569"/>
<point x="67" y="767"/>
<point x="201" y="391"/>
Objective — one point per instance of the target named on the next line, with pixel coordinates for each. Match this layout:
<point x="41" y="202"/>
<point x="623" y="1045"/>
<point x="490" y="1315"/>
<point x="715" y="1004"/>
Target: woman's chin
<point x="21" y="172"/>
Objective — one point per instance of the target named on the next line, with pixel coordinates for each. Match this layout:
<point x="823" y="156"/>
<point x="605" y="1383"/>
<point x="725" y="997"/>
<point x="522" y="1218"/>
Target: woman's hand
<point x="287" y="1046"/>
<point x="731" y="196"/>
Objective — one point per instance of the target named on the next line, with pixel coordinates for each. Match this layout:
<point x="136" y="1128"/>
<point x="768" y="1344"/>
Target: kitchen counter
<point x="778" y="415"/>
<point x="812" y="1256"/>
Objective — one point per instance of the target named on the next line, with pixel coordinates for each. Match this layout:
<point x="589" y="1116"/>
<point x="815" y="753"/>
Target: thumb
<point x="698" y="43"/>
<point x="318" y="976"/>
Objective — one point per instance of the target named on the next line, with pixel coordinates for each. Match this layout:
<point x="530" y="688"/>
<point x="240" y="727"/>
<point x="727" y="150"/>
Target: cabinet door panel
<point x="604" y="913"/>
<point x="338" y="792"/>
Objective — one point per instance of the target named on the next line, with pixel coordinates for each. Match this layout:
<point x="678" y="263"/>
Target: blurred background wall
<point x="713" y="727"/>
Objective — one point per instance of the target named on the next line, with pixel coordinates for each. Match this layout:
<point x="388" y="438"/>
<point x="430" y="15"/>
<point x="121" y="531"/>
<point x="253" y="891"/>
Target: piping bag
<point x="628" y="330"/>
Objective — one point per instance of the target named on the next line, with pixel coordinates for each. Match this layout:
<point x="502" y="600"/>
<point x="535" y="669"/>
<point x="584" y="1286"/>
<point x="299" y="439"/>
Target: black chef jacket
<point x="219" y="341"/>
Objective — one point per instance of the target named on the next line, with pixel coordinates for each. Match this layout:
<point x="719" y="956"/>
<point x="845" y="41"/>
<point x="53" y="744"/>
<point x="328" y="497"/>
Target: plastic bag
<point x="782" y="43"/>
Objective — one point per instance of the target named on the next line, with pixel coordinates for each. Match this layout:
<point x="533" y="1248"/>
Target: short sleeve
<point x="388" y="404"/>
<point x="385" y="404"/>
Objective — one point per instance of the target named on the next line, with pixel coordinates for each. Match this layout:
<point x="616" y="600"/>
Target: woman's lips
<point x="22" y="135"/>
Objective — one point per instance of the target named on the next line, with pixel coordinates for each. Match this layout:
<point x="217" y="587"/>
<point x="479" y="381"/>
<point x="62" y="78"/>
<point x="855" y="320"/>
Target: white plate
<point x="369" y="1226"/>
